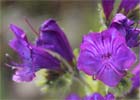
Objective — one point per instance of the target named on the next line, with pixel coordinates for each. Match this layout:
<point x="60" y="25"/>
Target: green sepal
<point x="76" y="52"/>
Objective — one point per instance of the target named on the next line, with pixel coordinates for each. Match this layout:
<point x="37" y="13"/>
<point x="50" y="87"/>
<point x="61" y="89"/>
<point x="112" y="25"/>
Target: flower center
<point x="106" y="56"/>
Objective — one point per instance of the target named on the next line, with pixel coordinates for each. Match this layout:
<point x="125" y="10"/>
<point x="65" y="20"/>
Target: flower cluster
<point x="106" y="56"/>
<point x="35" y="57"/>
<point x="125" y="27"/>
<point x="125" y="6"/>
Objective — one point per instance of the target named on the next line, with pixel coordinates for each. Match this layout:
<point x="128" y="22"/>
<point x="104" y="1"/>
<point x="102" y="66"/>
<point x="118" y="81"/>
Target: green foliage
<point x="53" y="88"/>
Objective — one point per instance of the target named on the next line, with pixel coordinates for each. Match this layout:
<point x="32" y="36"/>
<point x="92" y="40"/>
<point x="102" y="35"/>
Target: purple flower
<point x="53" y="38"/>
<point x="97" y="96"/>
<point x="110" y="96"/>
<point x="128" y="5"/>
<point x="105" y="56"/>
<point x="136" y="77"/>
<point x="33" y="58"/>
<point x="108" y="7"/>
<point x="125" y="27"/>
<point x="73" y="96"/>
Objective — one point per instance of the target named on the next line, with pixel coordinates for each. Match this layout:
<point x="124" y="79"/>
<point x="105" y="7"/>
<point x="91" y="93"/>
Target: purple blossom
<point x="128" y="5"/>
<point x="53" y="38"/>
<point x="136" y="77"/>
<point x="95" y="96"/>
<point x="126" y="27"/>
<point x="105" y="56"/>
<point x="110" y="96"/>
<point x="73" y="96"/>
<point x="33" y="58"/>
<point x="108" y="7"/>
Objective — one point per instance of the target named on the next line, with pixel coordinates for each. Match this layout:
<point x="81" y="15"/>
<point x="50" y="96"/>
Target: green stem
<point x="80" y="79"/>
<point x="75" y="75"/>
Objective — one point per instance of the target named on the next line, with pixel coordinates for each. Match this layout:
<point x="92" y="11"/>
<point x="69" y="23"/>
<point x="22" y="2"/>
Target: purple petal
<point x="109" y="97"/>
<point x="53" y="38"/>
<point x="20" y="44"/>
<point x="73" y="97"/>
<point x="42" y="59"/>
<point x="136" y="78"/>
<point x="108" y="7"/>
<point x="23" y="75"/>
<point x="109" y="76"/>
<point x="125" y="27"/>
<point x="86" y="54"/>
<point x="124" y="57"/>
<point x="95" y="96"/>
<point x="33" y="58"/>
<point x="128" y="5"/>
<point x="19" y="33"/>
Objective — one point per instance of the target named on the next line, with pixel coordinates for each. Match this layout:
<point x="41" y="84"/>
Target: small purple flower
<point x="136" y="77"/>
<point x="33" y="58"/>
<point x="53" y="38"/>
<point x="128" y="5"/>
<point x="73" y="96"/>
<point x="125" y="27"/>
<point x="105" y="56"/>
<point x="109" y="96"/>
<point x="108" y="7"/>
<point x="97" y="96"/>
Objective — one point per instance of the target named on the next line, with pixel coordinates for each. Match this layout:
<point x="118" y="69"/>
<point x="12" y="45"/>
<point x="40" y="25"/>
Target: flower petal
<point x="53" y="38"/>
<point x="108" y="7"/>
<point x="42" y="59"/>
<point x="126" y="29"/>
<point x="128" y="5"/>
<point x="109" y="76"/>
<point x="23" y="75"/>
<point x="73" y="97"/>
<point x="95" y="96"/>
<point x="109" y="97"/>
<point x="136" y="78"/>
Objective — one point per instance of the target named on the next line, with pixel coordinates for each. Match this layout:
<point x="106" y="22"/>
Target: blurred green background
<point x="76" y="17"/>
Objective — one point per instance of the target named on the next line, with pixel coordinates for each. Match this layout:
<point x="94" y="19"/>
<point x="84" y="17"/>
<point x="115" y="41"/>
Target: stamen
<point x="94" y="77"/>
<point x="10" y="66"/>
<point x="28" y="23"/>
<point x="8" y="56"/>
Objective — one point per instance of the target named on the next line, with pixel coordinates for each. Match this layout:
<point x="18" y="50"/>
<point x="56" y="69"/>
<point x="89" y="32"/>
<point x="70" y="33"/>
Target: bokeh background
<point x="76" y="17"/>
